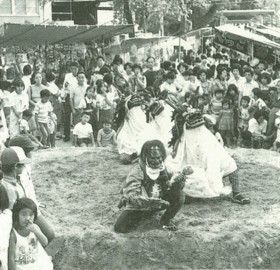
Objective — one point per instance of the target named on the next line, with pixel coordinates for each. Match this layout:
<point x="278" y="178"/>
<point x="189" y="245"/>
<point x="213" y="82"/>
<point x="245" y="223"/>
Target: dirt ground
<point x="80" y="188"/>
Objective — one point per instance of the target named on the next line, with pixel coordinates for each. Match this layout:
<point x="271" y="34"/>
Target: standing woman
<point x="34" y="96"/>
<point x="221" y="81"/>
<point x="205" y="85"/>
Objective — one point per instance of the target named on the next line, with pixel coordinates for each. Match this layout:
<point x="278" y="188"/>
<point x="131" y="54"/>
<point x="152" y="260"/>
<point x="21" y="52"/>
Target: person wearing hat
<point x="26" y="182"/>
<point x="13" y="160"/>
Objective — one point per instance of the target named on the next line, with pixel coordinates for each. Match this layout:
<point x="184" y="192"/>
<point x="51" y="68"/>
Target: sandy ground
<point x="80" y="188"/>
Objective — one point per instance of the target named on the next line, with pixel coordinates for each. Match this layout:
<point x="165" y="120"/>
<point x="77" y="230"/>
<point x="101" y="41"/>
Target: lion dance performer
<point x="195" y="145"/>
<point x="150" y="188"/>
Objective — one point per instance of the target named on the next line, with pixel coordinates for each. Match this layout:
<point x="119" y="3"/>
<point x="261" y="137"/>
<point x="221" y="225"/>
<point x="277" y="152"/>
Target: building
<point x="25" y="11"/>
<point x="248" y="17"/>
<point x="83" y="12"/>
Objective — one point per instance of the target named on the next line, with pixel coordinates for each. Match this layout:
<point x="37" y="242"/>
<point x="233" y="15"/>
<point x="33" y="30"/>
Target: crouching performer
<point x="150" y="188"/>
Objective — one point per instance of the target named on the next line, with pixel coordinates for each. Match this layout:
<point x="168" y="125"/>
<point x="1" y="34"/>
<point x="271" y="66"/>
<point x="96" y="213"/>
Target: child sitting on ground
<point x="6" y="226"/>
<point x="83" y="133"/>
<point x="106" y="136"/>
<point x="26" y="239"/>
<point x="24" y="128"/>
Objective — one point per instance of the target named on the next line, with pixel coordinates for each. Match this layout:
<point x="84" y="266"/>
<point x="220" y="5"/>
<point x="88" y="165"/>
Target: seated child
<point x="24" y="128"/>
<point x="26" y="239"/>
<point x="106" y="136"/>
<point x="6" y="226"/>
<point x="276" y="144"/>
<point x="83" y="133"/>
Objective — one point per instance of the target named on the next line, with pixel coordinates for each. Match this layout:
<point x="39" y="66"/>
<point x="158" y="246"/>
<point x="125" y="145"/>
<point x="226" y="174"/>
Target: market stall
<point x="247" y="42"/>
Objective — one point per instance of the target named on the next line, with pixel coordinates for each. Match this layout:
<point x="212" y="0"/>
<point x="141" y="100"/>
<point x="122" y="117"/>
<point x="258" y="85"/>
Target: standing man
<point x="70" y="82"/>
<point x="77" y="93"/>
<point x="247" y="87"/>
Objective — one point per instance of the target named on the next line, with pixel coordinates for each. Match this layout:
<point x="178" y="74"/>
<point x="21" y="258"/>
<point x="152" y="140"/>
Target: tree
<point x="147" y="13"/>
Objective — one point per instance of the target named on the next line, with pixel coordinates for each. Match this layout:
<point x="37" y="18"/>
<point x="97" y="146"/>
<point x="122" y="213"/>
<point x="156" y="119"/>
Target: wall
<point x="44" y="14"/>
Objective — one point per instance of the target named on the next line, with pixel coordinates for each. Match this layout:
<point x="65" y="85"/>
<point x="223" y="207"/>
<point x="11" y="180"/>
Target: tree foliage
<point x="147" y="13"/>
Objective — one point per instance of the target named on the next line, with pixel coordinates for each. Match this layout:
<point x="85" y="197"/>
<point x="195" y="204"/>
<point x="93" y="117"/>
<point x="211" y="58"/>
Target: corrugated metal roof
<point x="29" y="34"/>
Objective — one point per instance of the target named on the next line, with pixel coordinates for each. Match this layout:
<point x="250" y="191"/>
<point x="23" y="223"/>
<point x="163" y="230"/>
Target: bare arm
<point x="12" y="252"/>
<point x="99" y="138"/>
<point x="40" y="236"/>
<point x="92" y="138"/>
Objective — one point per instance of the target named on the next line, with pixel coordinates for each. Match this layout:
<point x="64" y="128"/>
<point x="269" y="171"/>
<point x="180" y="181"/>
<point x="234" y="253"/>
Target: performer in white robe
<point x="160" y="126"/>
<point x="198" y="147"/>
<point x="128" y="136"/>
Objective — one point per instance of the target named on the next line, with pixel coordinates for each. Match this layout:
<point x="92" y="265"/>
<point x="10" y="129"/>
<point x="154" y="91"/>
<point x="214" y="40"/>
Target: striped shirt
<point x="216" y="106"/>
<point x="43" y="110"/>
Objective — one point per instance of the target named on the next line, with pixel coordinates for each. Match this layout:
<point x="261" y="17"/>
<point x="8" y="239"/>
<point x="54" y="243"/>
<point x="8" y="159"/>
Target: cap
<point x="14" y="155"/>
<point x="22" y="141"/>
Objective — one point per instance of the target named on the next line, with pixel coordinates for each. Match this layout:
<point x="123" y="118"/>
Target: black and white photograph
<point x="139" y="134"/>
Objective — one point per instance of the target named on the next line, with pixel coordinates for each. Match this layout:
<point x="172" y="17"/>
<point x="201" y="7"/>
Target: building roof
<point x="30" y="34"/>
<point x="246" y="35"/>
<point x="250" y="12"/>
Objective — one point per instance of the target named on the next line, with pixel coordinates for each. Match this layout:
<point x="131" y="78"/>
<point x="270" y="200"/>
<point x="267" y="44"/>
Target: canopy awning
<point x="245" y="35"/>
<point x="30" y="34"/>
<point x="269" y="32"/>
<point x="125" y="45"/>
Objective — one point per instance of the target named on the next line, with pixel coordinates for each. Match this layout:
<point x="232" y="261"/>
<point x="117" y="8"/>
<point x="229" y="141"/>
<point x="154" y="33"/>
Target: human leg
<point x="66" y="120"/>
<point x="45" y="228"/>
<point x="128" y="221"/>
<point x="237" y="197"/>
<point x="176" y="197"/>
<point x="44" y="133"/>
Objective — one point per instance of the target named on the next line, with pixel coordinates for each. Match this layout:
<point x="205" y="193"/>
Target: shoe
<point x="239" y="198"/>
<point x="170" y="226"/>
<point x="66" y="139"/>
<point x="43" y="147"/>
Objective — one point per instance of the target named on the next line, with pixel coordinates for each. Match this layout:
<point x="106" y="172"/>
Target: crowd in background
<point x="242" y="98"/>
<point x="240" y="102"/>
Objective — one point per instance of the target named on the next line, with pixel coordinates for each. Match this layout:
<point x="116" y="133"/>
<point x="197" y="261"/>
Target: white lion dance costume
<point x="128" y="136"/>
<point x="195" y="145"/>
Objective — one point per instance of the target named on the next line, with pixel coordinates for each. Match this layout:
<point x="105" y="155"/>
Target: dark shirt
<point x="5" y="85"/>
<point x="275" y="100"/>
<point x="150" y="77"/>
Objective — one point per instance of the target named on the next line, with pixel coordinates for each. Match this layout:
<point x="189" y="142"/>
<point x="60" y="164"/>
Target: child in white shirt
<point x="42" y="112"/>
<point x="83" y="133"/>
<point x="24" y="128"/>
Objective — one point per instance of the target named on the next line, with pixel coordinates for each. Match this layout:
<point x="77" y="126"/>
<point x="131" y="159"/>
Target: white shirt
<point x="77" y="93"/>
<point x="238" y="83"/>
<point x="20" y="102"/>
<point x="83" y="103"/>
<point x="72" y="82"/>
<point x="26" y="81"/>
<point x="260" y="103"/>
<point x="246" y="88"/>
<point x="255" y="127"/>
<point x="170" y="88"/>
<point x="82" y="131"/>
